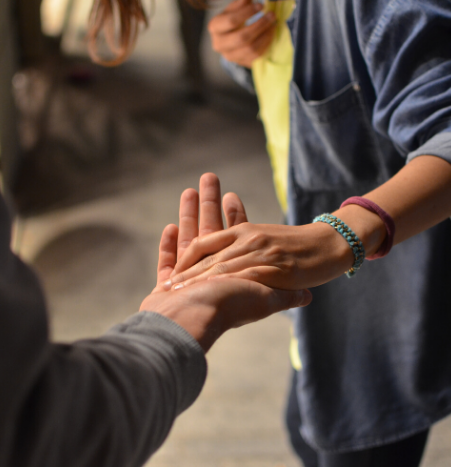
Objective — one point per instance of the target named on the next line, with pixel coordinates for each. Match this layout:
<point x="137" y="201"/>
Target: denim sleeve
<point x="406" y="45"/>
<point x="241" y="75"/>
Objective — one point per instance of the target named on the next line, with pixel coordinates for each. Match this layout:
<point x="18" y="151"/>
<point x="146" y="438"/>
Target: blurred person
<point x="8" y="64"/>
<point x="30" y="35"/>
<point x="191" y="27"/>
<point x="111" y="401"/>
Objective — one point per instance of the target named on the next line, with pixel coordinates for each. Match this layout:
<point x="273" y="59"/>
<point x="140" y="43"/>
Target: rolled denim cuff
<point x="240" y="74"/>
<point x="439" y="145"/>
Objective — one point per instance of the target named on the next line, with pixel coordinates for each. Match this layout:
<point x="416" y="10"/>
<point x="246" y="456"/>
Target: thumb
<point x="167" y="253"/>
<point x="233" y="209"/>
<point x="280" y="300"/>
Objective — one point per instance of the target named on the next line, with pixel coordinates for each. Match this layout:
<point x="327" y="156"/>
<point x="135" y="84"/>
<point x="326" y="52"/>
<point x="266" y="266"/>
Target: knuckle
<point x="232" y="21"/>
<point x="294" y="299"/>
<point x="244" y="37"/>
<point x="208" y="262"/>
<point x="184" y="244"/>
<point x="254" y="49"/>
<point x="254" y="275"/>
<point x="213" y="26"/>
<point x="257" y="240"/>
<point x="180" y="278"/>
<point x="220" y="268"/>
<point x="275" y="251"/>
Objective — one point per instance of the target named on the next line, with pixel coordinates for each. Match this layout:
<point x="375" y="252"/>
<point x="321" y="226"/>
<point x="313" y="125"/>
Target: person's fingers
<point x="210" y="204"/>
<point x="203" y="247"/>
<point x="279" y="300"/>
<point x="232" y="19"/>
<point x="238" y="4"/>
<point x="188" y="218"/>
<point x="245" y="301"/>
<point x="247" y="36"/>
<point x="245" y="55"/>
<point x="276" y="299"/>
<point x="233" y="209"/>
<point x="242" y="267"/>
<point x="167" y="253"/>
<point x="245" y="40"/>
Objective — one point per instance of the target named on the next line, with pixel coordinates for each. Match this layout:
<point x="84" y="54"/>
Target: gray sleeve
<point x="106" y="402"/>
<point x="109" y="401"/>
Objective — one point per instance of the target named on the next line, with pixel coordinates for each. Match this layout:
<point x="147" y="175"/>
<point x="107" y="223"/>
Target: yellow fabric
<point x="295" y="358"/>
<point x="272" y="74"/>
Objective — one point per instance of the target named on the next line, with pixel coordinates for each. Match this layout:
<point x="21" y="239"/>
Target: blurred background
<point x="102" y="157"/>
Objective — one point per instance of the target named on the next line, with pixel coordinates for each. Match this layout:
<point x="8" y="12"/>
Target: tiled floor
<point x="118" y="154"/>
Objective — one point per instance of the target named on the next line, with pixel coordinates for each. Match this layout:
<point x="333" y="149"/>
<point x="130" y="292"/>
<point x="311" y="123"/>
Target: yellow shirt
<point x="272" y="74"/>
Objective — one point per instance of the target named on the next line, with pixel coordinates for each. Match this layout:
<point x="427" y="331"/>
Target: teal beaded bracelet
<point x="352" y="239"/>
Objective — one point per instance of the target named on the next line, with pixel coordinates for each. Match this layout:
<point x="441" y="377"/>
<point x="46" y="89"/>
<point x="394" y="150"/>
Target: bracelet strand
<point x="347" y="233"/>
<point x="387" y="244"/>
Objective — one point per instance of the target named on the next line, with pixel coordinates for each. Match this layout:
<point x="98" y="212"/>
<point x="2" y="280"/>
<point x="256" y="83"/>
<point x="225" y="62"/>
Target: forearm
<point x="109" y="401"/>
<point x="295" y="257"/>
<point x="417" y="198"/>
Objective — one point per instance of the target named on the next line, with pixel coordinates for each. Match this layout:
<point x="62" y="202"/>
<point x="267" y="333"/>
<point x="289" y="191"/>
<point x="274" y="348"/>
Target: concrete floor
<point x="101" y="186"/>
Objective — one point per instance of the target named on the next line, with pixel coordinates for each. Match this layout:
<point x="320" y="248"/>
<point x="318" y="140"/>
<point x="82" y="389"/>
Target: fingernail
<point x="253" y="19"/>
<point x="258" y="6"/>
<point x="178" y="286"/>
<point x="167" y="285"/>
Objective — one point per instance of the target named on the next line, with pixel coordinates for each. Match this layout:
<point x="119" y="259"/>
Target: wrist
<point x="325" y="247"/>
<point x="368" y="226"/>
<point x="200" y="319"/>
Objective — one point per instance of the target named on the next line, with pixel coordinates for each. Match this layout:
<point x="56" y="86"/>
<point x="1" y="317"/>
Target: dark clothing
<point x="406" y="453"/>
<point x="371" y="90"/>
<point x="107" y="402"/>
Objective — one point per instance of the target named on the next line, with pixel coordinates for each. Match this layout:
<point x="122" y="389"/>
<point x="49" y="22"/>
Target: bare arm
<point x="293" y="257"/>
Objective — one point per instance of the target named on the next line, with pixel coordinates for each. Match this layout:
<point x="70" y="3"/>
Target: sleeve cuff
<point x="239" y="74"/>
<point x="179" y="344"/>
<point x="439" y="145"/>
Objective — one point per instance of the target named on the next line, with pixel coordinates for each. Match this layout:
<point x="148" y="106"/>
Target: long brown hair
<point x="120" y="21"/>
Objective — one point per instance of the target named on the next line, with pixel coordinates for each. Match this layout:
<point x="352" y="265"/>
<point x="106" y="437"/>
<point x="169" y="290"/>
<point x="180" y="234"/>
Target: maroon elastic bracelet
<point x="387" y="244"/>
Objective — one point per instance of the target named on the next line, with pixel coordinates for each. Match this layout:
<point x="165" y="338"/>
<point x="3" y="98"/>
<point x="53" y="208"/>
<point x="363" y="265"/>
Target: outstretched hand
<point x="279" y="256"/>
<point x="199" y="215"/>
<point x="237" y="41"/>
<point x="207" y="309"/>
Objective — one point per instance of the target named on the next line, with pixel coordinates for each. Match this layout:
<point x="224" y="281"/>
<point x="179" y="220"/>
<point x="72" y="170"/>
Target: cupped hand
<point x="199" y="214"/>
<point x="208" y="309"/>
<point x="279" y="256"/>
<point x="237" y="42"/>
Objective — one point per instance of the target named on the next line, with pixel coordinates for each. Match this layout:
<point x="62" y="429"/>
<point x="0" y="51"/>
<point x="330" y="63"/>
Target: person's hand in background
<point x="237" y="41"/>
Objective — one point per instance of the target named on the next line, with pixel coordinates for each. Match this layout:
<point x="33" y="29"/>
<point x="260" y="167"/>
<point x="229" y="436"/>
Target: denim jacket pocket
<point x="332" y="144"/>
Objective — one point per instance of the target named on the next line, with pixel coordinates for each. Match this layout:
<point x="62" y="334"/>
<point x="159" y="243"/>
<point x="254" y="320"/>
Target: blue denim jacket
<point x="371" y="89"/>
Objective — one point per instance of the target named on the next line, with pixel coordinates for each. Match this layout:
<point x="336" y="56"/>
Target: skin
<point x="293" y="257"/>
<point x="296" y="257"/>
<point x="208" y="309"/>
<point x="239" y="43"/>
